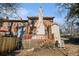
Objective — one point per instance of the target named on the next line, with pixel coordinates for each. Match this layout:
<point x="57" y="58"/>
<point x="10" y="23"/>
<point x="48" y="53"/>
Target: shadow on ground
<point x="13" y="53"/>
<point x="74" y="41"/>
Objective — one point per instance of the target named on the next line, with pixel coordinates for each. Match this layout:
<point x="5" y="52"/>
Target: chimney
<point x="6" y="18"/>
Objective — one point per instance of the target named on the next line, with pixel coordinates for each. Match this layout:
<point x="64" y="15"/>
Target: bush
<point x="48" y="45"/>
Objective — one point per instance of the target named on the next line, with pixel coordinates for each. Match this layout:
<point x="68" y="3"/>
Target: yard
<point x="70" y="50"/>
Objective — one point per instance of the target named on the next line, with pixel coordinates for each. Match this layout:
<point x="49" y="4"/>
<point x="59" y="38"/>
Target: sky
<point x="49" y="9"/>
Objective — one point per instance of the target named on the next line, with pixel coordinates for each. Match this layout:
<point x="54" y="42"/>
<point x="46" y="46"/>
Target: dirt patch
<point x="73" y="50"/>
<point x="70" y="50"/>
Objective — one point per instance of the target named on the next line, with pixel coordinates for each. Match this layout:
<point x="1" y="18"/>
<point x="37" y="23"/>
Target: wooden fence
<point x="7" y="44"/>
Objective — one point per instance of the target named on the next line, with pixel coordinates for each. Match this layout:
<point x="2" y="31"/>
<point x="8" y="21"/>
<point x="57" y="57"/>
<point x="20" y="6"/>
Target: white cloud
<point x="60" y="20"/>
<point x="22" y="12"/>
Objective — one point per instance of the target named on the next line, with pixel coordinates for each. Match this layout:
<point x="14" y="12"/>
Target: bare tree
<point x="72" y="10"/>
<point x="8" y="9"/>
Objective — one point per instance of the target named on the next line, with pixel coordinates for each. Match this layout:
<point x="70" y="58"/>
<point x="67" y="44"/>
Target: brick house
<point x="37" y="34"/>
<point x="39" y="30"/>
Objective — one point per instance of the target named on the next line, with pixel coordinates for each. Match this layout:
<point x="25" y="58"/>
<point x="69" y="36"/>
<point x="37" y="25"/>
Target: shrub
<point x="48" y="45"/>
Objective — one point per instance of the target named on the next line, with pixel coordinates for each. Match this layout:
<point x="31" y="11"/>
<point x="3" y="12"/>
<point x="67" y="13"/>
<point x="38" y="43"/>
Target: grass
<point x="49" y="45"/>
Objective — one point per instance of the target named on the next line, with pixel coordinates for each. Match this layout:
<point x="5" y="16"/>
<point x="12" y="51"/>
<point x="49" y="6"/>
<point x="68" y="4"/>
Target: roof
<point x="3" y="30"/>
<point x="35" y="17"/>
<point x="14" y="20"/>
<point x="54" y="23"/>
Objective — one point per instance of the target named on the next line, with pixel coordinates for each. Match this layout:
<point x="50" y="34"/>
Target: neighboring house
<point x="11" y="26"/>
